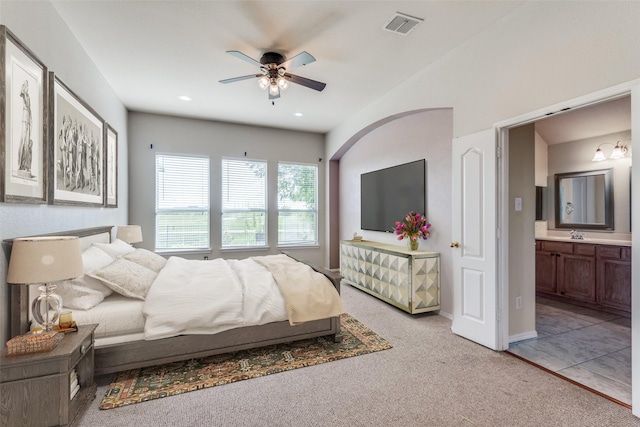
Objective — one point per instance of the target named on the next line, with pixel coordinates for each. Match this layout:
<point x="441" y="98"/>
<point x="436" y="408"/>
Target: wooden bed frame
<point x="138" y="354"/>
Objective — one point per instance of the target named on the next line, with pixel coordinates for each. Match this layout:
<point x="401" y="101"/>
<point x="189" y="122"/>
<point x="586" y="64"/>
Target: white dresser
<point x="409" y="280"/>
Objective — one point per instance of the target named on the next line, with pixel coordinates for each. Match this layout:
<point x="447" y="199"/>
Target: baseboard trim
<point x="445" y="314"/>
<point x="523" y="336"/>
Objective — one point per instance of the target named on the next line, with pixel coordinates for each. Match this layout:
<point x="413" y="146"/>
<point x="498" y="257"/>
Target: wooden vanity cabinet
<point x="546" y="262"/>
<point x="614" y="277"/>
<point x="597" y="276"/>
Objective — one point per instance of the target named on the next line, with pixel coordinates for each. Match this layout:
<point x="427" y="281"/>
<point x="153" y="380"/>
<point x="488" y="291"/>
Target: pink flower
<point x="413" y="226"/>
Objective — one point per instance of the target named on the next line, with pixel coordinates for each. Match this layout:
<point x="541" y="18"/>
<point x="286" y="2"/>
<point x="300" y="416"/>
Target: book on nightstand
<point x="74" y="384"/>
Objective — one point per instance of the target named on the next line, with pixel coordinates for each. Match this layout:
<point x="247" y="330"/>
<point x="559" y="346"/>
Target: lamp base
<point x="46" y="307"/>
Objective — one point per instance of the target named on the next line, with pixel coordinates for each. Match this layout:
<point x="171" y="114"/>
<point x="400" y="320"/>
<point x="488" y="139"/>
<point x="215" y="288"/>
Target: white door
<point x="473" y="249"/>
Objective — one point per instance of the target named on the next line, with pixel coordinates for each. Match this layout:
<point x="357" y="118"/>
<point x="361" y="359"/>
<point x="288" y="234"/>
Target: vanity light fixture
<point x="620" y="150"/>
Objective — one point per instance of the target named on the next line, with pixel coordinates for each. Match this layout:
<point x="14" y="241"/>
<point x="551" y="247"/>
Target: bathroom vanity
<point x="585" y="273"/>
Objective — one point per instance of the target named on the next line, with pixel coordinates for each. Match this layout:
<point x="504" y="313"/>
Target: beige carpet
<point x="430" y="378"/>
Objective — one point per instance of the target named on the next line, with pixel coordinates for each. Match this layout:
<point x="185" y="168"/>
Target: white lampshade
<point x="36" y="260"/>
<point x="129" y="233"/>
<point x="599" y="156"/>
<point x="617" y="152"/>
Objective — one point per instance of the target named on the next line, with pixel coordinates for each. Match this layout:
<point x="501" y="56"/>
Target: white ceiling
<point x="588" y="122"/>
<point x="150" y="52"/>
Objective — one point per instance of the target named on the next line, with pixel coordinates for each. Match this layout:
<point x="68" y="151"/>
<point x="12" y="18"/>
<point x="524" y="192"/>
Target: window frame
<point x="205" y="209"/>
<point x="223" y="210"/>
<point x="315" y="211"/>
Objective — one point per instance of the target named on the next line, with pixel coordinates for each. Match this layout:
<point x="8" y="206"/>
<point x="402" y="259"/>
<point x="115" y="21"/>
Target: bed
<point x="130" y="335"/>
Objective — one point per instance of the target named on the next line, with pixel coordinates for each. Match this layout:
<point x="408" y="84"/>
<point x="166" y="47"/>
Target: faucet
<point x="576" y="235"/>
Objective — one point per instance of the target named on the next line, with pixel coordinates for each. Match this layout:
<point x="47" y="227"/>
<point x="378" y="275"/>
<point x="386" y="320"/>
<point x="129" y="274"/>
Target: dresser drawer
<point x="584" y="249"/>
<point x="564" y="247"/>
<point x="610" y="252"/>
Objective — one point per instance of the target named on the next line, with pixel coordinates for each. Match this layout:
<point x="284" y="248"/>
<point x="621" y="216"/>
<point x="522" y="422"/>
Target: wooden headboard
<point x="21" y="296"/>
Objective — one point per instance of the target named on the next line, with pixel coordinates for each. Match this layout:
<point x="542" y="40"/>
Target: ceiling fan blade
<point x="237" y="79"/>
<point x="311" y="84"/>
<point x="244" y="57"/>
<point x="303" y="58"/>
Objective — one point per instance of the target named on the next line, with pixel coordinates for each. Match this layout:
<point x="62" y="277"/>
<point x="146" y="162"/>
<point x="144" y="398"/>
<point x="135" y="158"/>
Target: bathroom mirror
<point x="584" y="200"/>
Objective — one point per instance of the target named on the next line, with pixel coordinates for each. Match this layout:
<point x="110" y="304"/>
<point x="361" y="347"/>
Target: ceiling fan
<point x="273" y="72"/>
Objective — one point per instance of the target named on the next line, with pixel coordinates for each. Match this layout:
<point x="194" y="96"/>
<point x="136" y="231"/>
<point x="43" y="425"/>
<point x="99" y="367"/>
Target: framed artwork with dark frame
<point x="78" y="149"/>
<point x="23" y="123"/>
<point x="111" y="191"/>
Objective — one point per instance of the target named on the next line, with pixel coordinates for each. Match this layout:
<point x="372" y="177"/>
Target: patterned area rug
<point x="140" y="385"/>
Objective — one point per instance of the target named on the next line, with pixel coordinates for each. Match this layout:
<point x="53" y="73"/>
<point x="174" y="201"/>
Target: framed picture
<point x="23" y="123"/>
<point x="78" y="149"/>
<point x="111" y="138"/>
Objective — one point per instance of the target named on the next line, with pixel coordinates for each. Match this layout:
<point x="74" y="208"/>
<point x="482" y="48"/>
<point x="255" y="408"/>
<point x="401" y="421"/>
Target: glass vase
<point x="413" y="244"/>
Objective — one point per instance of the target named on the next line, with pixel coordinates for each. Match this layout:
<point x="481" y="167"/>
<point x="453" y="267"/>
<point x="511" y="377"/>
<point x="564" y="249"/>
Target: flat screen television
<point x="387" y="195"/>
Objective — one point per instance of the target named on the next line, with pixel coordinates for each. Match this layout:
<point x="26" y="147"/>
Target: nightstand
<point x="35" y="387"/>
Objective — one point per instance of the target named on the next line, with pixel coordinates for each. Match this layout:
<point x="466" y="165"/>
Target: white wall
<point x="423" y="135"/>
<point x="40" y="28"/>
<point x="542" y="161"/>
<point x="540" y="54"/>
<point x="218" y="140"/>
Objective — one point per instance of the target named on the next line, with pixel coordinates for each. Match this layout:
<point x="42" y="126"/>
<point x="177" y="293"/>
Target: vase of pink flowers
<point x="413" y="227"/>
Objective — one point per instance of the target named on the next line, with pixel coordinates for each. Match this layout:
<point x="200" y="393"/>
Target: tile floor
<point x="587" y="346"/>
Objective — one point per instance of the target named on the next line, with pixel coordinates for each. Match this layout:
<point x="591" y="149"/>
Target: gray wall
<point x="40" y="28"/>
<point x="522" y="322"/>
<point x="218" y="140"/>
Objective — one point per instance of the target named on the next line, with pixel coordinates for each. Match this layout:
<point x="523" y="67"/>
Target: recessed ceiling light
<point x="184" y="98"/>
<point x="298" y="114"/>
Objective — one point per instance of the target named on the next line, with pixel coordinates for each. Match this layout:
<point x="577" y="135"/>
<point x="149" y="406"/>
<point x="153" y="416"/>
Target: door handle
<point x="454" y="245"/>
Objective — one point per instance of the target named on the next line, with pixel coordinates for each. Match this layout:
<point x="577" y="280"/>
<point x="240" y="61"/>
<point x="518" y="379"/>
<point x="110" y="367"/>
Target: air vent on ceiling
<point x="402" y="24"/>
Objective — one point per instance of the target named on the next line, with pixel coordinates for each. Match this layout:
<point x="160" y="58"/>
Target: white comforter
<point x="206" y="297"/>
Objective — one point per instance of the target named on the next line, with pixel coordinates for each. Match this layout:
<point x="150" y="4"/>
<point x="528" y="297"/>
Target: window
<point x="182" y="202"/>
<point x="244" y="203"/>
<point x="297" y="204"/>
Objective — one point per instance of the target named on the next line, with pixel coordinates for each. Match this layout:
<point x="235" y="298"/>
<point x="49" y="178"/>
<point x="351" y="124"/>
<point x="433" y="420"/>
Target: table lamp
<point x="41" y="261"/>
<point x="129" y="233"/>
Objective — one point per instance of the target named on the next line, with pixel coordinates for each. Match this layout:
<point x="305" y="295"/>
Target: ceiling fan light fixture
<point x="282" y="83"/>
<point x="274" y="90"/>
<point x="264" y="82"/>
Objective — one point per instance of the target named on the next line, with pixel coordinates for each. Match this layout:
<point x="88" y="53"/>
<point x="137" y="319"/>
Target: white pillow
<point x="116" y="249"/>
<point x="126" y="278"/>
<point x="79" y="297"/>
<point x="90" y="283"/>
<point x="93" y="259"/>
<point x="146" y="258"/>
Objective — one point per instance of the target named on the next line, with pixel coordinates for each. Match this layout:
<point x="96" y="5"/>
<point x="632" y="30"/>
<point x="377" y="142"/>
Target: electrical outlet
<point x="518" y="303"/>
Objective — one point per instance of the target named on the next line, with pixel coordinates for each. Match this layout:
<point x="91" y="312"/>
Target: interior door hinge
<point x="499" y="152"/>
<point x="498" y="315"/>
